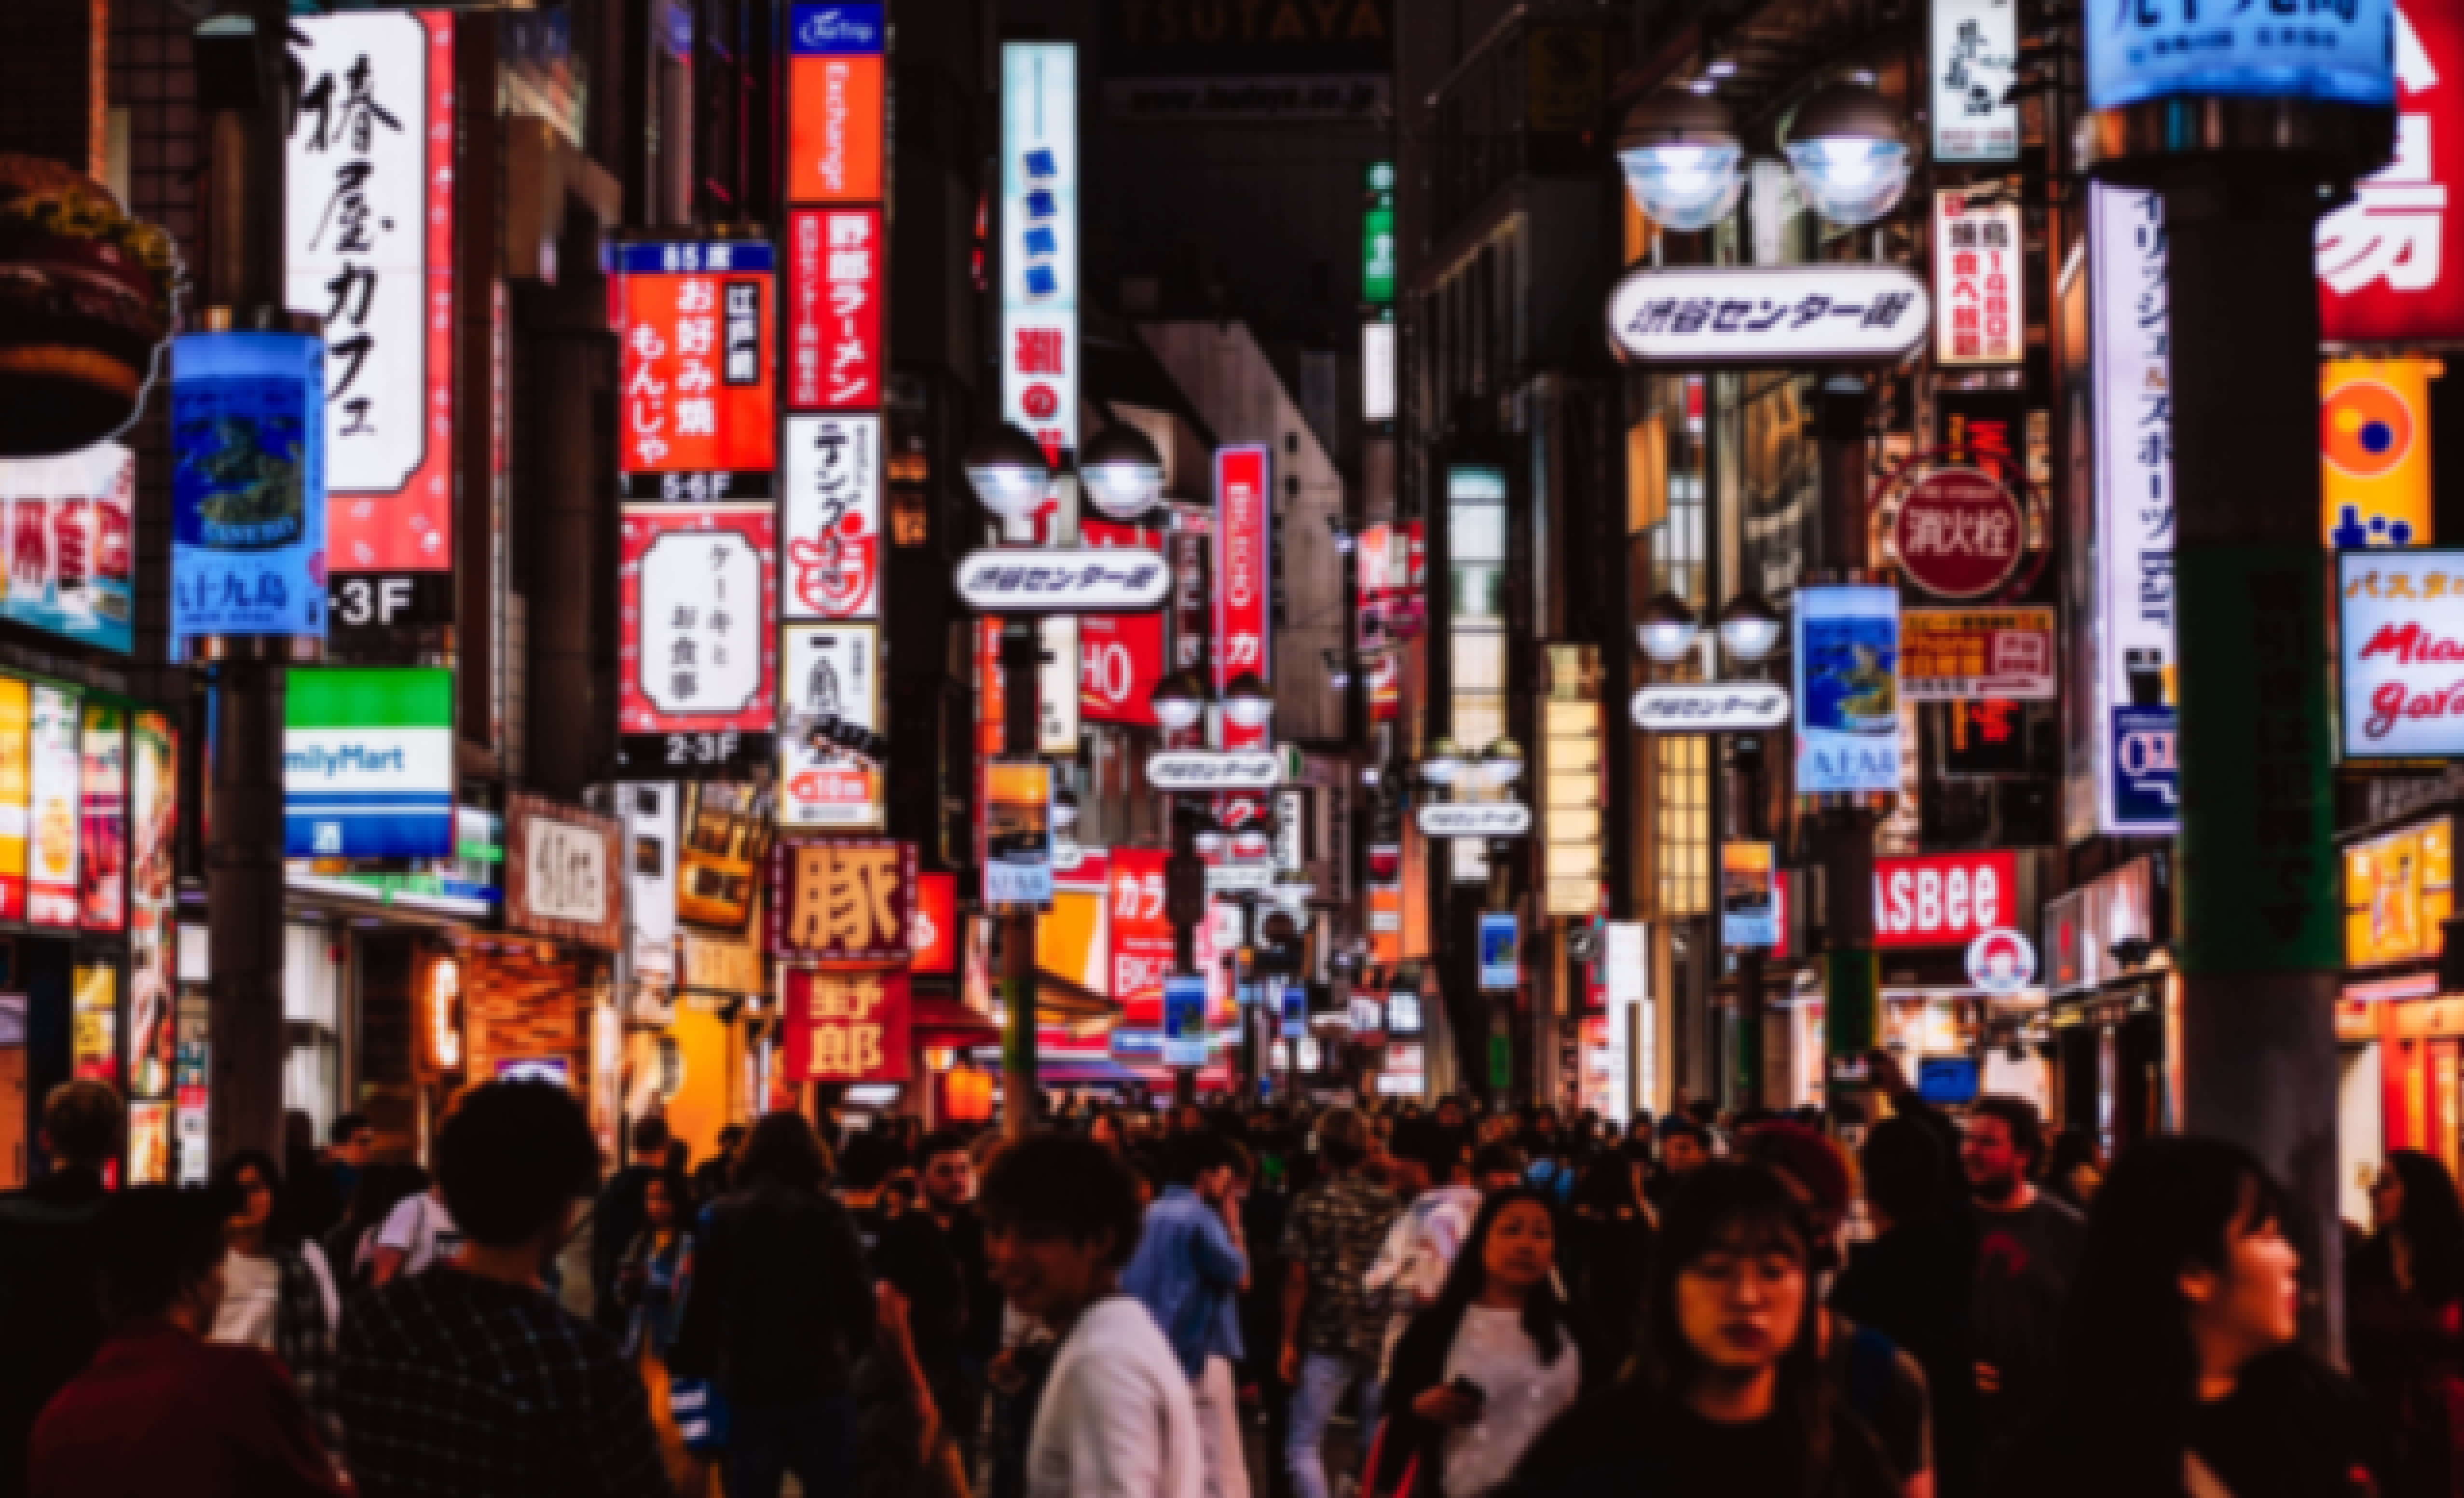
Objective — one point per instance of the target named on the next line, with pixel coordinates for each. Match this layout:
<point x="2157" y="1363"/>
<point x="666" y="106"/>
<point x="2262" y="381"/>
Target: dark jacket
<point x="623" y="1212"/>
<point x="48" y="1326"/>
<point x="1913" y="1286"/>
<point x="779" y="1306"/>
<point x="2408" y="1355"/>
<point x="1607" y="1257"/>
<point x="1419" y="1365"/>
<point x="1615" y="1444"/>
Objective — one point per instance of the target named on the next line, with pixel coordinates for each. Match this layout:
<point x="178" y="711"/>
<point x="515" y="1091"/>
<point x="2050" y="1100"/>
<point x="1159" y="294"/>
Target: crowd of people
<point x="1431" y="1301"/>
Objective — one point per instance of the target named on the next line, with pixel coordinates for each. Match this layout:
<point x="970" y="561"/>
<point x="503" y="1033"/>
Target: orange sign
<point x="2374" y="442"/>
<point x="834" y="128"/>
<point x="933" y="936"/>
<point x="695" y="412"/>
<point x="2398" y="889"/>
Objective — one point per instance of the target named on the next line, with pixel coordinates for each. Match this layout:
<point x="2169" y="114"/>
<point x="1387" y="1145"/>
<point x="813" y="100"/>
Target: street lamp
<point x="1847" y="151"/>
<point x="1009" y="471"/>
<point x="1208" y="835"/>
<point x="1668" y="628"/>
<point x="1501" y="764"/>
<point x="1122" y="472"/>
<point x="1681" y="159"/>
<point x="1338" y="675"/>
<point x="1179" y="700"/>
<point x="1065" y="810"/>
<point x="1441" y="762"/>
<point x="1246" y="701"/>
<point x="1750" y="628"/>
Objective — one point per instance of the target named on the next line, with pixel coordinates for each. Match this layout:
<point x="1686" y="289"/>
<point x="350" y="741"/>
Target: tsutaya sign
<point x="1474" y="818"/>
<point x="1022" y="580"/>
<point x="1768" y="315"/>
<point x="1214" y="770"/>
<point x="2401" y="636"/>
<point x="1714" y="709"/>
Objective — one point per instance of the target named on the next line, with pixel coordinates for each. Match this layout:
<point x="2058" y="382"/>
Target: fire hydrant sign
<point x="844" y="1026"/>
<point x="2401" y="640"/>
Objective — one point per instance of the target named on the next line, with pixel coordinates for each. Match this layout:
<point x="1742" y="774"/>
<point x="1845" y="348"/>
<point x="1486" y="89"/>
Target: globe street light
<point x="1848" y="154"/>
<point x="1064" y="809"/>
<point x="1681" y="159"/>
<point x="1441" y="762"/>
<point x="1179" y="700"/>
<point x="1008" y="472"/>
<point x="1668" y="628"/>
<point x="1246" y="703"/>
<point x="1750" y="628"/>
<point x="1503" y="763"/>
<point x="1208" y="838"/>
<point x="1122" y="472"/>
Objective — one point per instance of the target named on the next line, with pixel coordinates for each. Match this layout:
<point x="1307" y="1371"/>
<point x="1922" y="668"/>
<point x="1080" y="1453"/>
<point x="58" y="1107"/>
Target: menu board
<point x="51" y="874"/>
<point x="102" y="863"/>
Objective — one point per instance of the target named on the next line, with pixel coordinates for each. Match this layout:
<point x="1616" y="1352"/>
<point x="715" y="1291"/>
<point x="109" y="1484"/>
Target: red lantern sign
<point x="1959" y="531"/>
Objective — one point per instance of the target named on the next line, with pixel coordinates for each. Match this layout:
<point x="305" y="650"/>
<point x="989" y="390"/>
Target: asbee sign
<point x="1945" y="899"/>
<point x="1770" y="316"/>
<point x="367" y="763"/>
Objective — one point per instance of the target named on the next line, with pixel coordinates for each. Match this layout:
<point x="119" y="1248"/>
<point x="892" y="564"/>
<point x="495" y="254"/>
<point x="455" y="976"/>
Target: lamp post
<point x="1748" y="631"/>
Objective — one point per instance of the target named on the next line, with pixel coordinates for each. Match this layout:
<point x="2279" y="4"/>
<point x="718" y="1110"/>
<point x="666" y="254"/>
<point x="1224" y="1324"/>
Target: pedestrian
<point x="1492" y="1361"/>
<point x="934" y="1258"/>
<point x="619" y="1216"/>
<point x="1439" y="1206"/>
<point x="1606" y="1253"/>
<point x="311" y="1197"/>
<point x="651" y="1279"/>
<point x="350" y="1248"/>
<point x="2026" y="1249"/>
<point x="1189" y="1268"/>
<point x="2073" y="1168"/>
<point x="781" y="1309"/>
<point x="1498" y="1166"/>
<point x="160" y="1409"/>
<point x="278" y="1293"/>
<point x="1726" y="1394"/>
<point x="48" y="1323"/>
<point x="1684" y="1148"/>
<point x="2181" y="1373"/>
<point x="354" y="1143"/>
<point x="419" y="1232"/>
<point x="1332" y="1334"/>
<point x="2403" y="1314"/>
<point x="467" y="1378"/>
<point x="710" y="1177"/>
<point x="1115" y="1419"/>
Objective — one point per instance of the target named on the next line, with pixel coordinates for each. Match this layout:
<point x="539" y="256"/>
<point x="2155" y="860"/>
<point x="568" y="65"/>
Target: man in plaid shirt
<point x="468" y="1379"/>
<point x="1332" y="1333"/>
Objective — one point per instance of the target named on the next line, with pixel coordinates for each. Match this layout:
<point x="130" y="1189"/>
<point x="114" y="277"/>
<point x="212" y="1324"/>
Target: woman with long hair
<point x="278" y="1293"/>
<point x="1726" y="1394"/>
<point x="1492" y="1361"/>
<point x="651" y="1279"/>
<point x="2404" y="1314"/>
<point x="2181" y="1376"/>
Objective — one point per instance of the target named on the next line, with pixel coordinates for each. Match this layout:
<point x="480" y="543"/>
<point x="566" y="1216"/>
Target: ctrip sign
<point x="2401" y="637"/>
<point x="1943" y="899"/>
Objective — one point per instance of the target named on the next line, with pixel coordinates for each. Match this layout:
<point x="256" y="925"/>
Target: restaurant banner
<point x="2399" y="892"/>
<point x="848" y="901"/>
<point x="562" y="868"/>
<point x="1954" y="654"/>
<point x="695" y="402"/>
<point x="844" y="1026"/>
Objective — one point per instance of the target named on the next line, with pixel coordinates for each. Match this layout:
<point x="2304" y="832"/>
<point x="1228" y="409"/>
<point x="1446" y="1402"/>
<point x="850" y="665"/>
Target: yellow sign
<point x="16" y="792"/>
<point x="2374" y="452"/>
<point x="2397" y="891"/>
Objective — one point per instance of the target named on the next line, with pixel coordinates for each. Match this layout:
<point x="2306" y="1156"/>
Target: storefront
<point x="2115" y="1001"/>
<point x="2398" y="1037"/>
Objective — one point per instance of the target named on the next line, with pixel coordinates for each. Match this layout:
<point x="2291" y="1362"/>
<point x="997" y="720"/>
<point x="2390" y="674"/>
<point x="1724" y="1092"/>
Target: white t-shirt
<point x="251" y="1308"/>
<point x="1117" y="1420"/>
<point x="1524" y="1395"/>
<point x="423" y="1230"/>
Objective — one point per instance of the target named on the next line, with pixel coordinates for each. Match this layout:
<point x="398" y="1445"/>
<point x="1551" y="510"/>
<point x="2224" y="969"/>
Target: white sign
<point x="1979" y="268"/>
<point x="566" y="871"/>
<point x="1782" y="314"/>
<point x="1056" y="688"/>
<point x="1023" y="579"/>
<point x="1377" y="371"/>
<point x="827" y="672"/>
<point x="1039" y="245"/>
<point x="2138" y="790"/>
<point x="1473" y="819"/>
<point x="1976" y="61"/>
<point x="2401" y="643"/>
<point x="1626" y="965"/>
<point x="2001" y="963"/>
<point x="1715" y="708"/>
<point x="1214" y="770"/>
<point x="700" y="657"/>
<point x="831" y="540"/>
<point x="1236" y="877"/>
<point x="650" y="810"/>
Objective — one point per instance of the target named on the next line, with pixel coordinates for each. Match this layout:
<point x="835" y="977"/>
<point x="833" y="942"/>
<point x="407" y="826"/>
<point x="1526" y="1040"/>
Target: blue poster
<point x="1498" y="967"/>
<point x="2337" y="50"/>
<point x="1847" y="690"/>
<point x="1184" y="1022"/>
<point x="1295" y="1012"/>
<point x="248" y="485"/>
<point x="2147" y="787"/>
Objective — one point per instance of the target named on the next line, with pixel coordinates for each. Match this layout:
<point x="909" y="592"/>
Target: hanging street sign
<point x="1030" y="580"/>
<point x="1241" y="878"/>
<point x="1214" y="770"/>
<point x="1770" y="316"/>
<point x="1716" y="707"/>
<point x="1473" y="819"/>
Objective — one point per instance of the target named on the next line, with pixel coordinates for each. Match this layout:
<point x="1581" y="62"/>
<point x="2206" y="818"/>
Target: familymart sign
<point x="367" y="763"/>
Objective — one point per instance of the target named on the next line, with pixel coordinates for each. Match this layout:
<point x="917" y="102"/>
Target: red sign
<point x="1943" y="899"/>
<point x="2391" y="261"/>
<point x="1141" y="936"/>
<point x="847" y="900"/>
<point x="696" y="416"/>
<point x="834" y="127"/>
<point x="1959" y="532"/>
<point x="836" y="262"/>
<point x="933" y="936"/>
<point x="1243" y="528"/>
<point x="844" y="1026"/>
<point x="1120" y="657"/>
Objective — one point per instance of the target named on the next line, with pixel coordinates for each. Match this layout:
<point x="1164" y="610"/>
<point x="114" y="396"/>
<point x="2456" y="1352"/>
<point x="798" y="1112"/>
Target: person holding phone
<point x="1496" y="1356"/>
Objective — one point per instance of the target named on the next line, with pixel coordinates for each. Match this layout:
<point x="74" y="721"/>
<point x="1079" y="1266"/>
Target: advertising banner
<point x="1847" y="690"/>
<point x="1184" y="1022"/>
<point x="1975" y="59"/>
<point x="829" y="676"/>
<point x="2391" y="260"/>
<point x="1748" y="897"/>
<point x="694" y="414"/>
<point x="1943" y="899"/>
<point x="1243" y="534"/>
<point x="16" y="792"/>
<point x="697" y="653"/>
<point x="68" y="544"/>
<point x="154" y="810"/>
<point x="1018" y="834"/>
<point x="933" y="940"/>
<point x="2374" y="444"/>
<point x="1954" y="654"/>
<point x="833" y="520"/>
<point x="562" y="873"/>
<point x="2146" y="52"/>
<point x="837" y="270"/>
<point x="1498" y="966"/>
<point x="1142" y="944"/>
<point x="248" y="486"/>
<point x="651" y="834"/>
<point x="834" y="112"/>
<point x="1120" y="657"/>
<point x="2399" y="889"/>
<point x="1039" y="246"/>
<point x="843" y="900"/>
<point x="367" y="763"/>
<point x="844" y="1026"/>
<point x="368" y="246"/>
<point x="102" y="853"/>
<point x="52" y="863"/>
<point x="2138" y="790"/>
<point x="1979" y="277"/>
<point x="2401" y="646"/>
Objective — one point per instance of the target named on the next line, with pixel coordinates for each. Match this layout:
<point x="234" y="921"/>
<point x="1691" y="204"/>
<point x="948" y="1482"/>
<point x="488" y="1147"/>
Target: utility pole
<point x="1853" y="984"/>
<point x="1022" y="659"/>
<point x="1184" y="900"/>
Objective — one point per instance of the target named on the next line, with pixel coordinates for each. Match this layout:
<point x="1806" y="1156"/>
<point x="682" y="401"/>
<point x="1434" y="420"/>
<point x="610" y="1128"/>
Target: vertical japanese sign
<point x="837" y="269"/>
<point x="2137" y="785"/>
<point x="933" y="940"/>
<point x="1847" y="661"/>
<point x="830" y="679"/>
<point x="2391" y="261"/>
<point x="1038" y="253"/>
<point x="1976" y="61"/>
<point x="652" y="857"/>
<point x="154" y="810"/>
<point x="1142" y="941"/>
<point x="844" y="1026"/>
<point x="1978" y="276"/>
<point x="834" y="518"/>
<point x="52" y="863"/>
<point x="103" y="861"/>
<point x="369" y="236"/>
<point x="834" y="101"/>
<point x="697" y="655"/>
<point x="695" y="413"/>
<point x="1378" y="260"/>
<point x="68" y="546"/>
<point x="248" y="486"/>
<point x="1120" y="657"/>
<point x="1242" y="527"/>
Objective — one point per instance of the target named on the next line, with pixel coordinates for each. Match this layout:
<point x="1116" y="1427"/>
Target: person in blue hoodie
<point x="1190" y="1266"/>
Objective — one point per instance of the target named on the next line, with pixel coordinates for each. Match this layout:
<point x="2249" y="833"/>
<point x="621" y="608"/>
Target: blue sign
<point x="688" y="258"/>
<point x="2146" y="786"/>
<point x="1184" y="1022"/>
<point x="835" y="31"/>
<point x="1498" y="966"/>
<point x="248" y="485"/>
<point x="2336" y="50"/>
<point x="1847" y="690"/>
<point x="1295" y="1006"/>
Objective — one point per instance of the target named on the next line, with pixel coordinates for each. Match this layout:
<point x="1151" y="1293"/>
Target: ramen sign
<point x="1958" y="531"/>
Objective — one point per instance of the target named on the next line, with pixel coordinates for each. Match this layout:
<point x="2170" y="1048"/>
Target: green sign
<point x="1377" y="237"/>
<point x="1501" y="1063"/>
<point x="367" y="763"/>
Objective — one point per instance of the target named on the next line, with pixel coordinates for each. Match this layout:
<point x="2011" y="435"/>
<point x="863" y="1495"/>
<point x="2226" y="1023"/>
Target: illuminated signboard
<point x="248" y="486"/>
<point x="367" y="763"/>
<point x="2374" y="451"/>
<point x="695" y="416"/>
<point x="1244" y="528"/>
<point x="1142" y="942"/>
<point x="697" y="656"/>
<point x="834" y="89"/>
<point x="837" y="269"/>
<point x="829" y="676"/>
<point x="1038" y="247"/>
<point x="1774" y="314"/>
<point x="842" y="899"/>
<point x="1956" y="654"/>
<point x="2391" y="260"/>
<point x="1120" y="657"/>
<point x="1976" y="61"/>
<point x="52" y="852"/>
<point x="103" y="861"/>
<point x="1943" y="899"/>
<point x="2172" y="49"/>
<point x="832" y="524"/>
<point x="67" y="555"/>
<point x="1979" y="280"/>
<point x="1847" y="690"/>
<point x="2400" y="639"/>
<point x="2399" y="891"/>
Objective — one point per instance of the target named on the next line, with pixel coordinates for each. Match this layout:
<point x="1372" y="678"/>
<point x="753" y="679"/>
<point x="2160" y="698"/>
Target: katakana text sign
<point x="2391" y="261"/>
<point x="1473" y="819"/>
<point x="844" y="1026"/>
<point x="837" y="269"/>
<point x="843" y="900"/>
<point x="1020" y="580"/>
<point x="1214" y="770"/>
<point x="1737" y="707"/>
<point x="1768" y="315"/>
<point x="833" y="520"/>
<point x="1120" y="657"/>
<point x="695" y="420"/>
<point x="698" y="654"/>
<point x="2401" y="638"/>
<point x="1243" y="532"/>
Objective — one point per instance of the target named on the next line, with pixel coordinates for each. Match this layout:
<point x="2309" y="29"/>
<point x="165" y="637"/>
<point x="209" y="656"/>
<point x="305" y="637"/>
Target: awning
<point x="948" y="1022"/>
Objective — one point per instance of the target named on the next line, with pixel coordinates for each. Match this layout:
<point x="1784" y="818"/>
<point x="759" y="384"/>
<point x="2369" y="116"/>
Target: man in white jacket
<point x="1061" y="1218"/>
<point x="1419" y="1249"/>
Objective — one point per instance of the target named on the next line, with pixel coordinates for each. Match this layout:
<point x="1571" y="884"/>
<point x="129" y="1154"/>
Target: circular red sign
<point x="1038" y="401"/>
<point x="1960" y="532"/>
